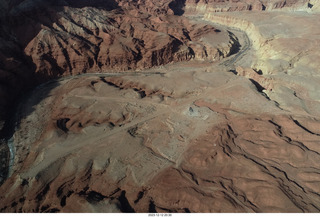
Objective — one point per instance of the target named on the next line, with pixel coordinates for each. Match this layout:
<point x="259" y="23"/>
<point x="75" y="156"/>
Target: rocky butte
<point x="159" y="106"/>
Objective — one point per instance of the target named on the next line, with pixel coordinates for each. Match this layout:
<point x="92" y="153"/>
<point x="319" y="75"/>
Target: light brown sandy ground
<point x="286" y="47"/>
<point x="183" y="137"/>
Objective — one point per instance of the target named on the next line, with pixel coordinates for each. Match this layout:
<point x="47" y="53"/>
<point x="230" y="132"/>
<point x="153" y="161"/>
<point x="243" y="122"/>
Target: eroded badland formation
<point x="160" y="106"/>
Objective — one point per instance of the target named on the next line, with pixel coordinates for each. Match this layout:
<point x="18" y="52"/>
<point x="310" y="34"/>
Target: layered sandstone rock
<point x="41" y="40"/>
<point x="283" y="52"/>
<point x="186" y="137"/>
<point x="61" y="40"/>
<point x="279" y="45"/>
<point x="169" y="141"/>
<point x="211" y="6"/>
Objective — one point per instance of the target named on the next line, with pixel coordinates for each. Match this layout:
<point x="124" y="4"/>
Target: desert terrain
<point x="160" y="106"/>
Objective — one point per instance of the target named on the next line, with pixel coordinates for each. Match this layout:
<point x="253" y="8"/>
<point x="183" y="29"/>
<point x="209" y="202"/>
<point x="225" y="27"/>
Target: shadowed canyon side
<point x="42" y="40"/>
<point x="159" y="106"/>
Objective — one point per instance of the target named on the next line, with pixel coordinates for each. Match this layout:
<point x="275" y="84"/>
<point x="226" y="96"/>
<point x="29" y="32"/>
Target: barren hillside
<point x="159" y="106"/>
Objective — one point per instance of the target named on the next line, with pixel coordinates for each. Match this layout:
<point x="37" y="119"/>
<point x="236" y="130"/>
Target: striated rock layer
<point x="230" y="125"/>
<point x="209" y="6"/>
<point x="47" y="39"/>
<point x="162" y="142"/>
<point x="41" y="40"/>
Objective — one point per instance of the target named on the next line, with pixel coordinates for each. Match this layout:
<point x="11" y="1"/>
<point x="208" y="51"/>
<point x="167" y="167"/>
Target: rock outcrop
<point x="165" y="142"/>
<point x="211" y="6"/>
<point x="42" y="40"/>
<point x="186" y="137"/>
<point x="314" y="5"/>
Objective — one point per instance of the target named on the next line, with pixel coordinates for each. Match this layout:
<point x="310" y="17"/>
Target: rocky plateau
<point x="159" y="106"/>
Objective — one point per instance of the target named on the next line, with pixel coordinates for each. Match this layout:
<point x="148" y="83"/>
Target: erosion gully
<point x="7" y="146"/>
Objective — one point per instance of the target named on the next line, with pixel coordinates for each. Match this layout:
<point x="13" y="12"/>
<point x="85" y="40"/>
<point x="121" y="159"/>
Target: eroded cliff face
<point x="239" y="135"/>
<point x="166" y="141"/>
<point x="211" y="6"/>
<point x="41" y="40"/>
<point x="279" y="46"/>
